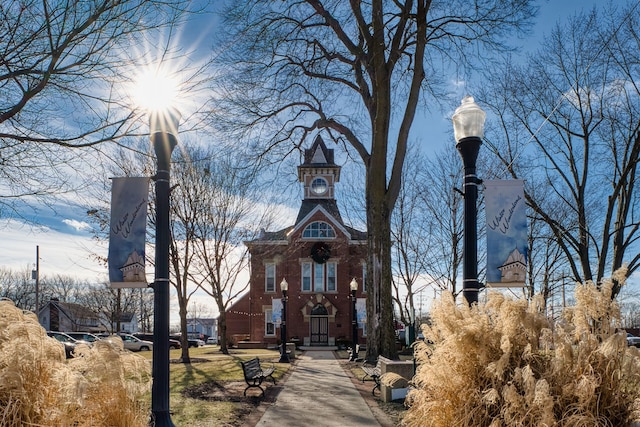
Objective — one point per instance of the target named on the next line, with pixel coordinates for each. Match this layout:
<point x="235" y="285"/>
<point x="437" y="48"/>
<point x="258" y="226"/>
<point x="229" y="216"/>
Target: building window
<point x="319" y="186"/>
<point x="318" y="229"/>
<point x="364" y="278"/>
<point x="270" y="278"/>
<point x="269" y="327"/>
<point x="331" y="277"/>
<point x="319" y="277"/>
<point x="306" y="277"/>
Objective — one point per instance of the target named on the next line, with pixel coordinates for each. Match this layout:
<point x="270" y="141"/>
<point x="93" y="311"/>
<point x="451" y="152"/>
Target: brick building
<point x="318" y="256"/>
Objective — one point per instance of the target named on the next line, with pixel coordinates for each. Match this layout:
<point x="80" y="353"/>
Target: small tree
<point x="222" y="196"/>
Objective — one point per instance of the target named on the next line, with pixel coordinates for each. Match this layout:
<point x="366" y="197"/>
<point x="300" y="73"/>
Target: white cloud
<point x="70" y="255"/>
<point x="77" y="225"/>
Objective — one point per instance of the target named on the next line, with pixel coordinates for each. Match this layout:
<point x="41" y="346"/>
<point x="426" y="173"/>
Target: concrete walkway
<point x="318" y="393"/>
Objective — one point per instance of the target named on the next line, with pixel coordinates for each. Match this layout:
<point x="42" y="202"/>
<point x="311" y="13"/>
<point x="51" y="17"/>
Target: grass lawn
<point x="208" y="364"/>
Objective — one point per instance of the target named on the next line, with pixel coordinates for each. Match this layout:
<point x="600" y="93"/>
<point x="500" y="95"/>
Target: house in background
<point x="128" y="323"/>
<point x="67" y="316"/>
<point x="203" y="327"/>
<point x="318" y="256"/>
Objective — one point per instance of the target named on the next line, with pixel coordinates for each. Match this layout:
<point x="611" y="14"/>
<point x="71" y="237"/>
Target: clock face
<point x="319" y="186"/>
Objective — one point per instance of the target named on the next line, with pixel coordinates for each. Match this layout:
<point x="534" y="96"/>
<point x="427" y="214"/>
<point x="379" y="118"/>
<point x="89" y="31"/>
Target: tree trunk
<point x="184" y="339"/>
<point x="380" y="333"/>
<point x="222" y="331"/>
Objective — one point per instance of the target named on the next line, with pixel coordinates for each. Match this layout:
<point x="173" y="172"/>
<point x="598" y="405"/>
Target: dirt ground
<point x="253" y="405"/>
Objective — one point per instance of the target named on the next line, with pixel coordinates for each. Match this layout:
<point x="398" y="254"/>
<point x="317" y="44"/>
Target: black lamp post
<point x="163" y="131"/>
<point x="284" y="357"/>
<point x="354" y="321"/>
<point x="468" y="129"/>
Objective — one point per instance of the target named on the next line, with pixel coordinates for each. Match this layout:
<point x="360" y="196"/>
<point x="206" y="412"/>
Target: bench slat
<point x="374" y="372"/>
<point x="254" y="374"/>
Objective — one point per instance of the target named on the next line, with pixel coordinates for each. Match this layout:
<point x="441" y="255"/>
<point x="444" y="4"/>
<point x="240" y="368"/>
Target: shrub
<point x="101" y="386"/>
<point x="503" y="363"/>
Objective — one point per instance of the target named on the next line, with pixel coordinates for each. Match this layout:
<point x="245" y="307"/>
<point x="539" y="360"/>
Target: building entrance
<point x="319" y="326"/>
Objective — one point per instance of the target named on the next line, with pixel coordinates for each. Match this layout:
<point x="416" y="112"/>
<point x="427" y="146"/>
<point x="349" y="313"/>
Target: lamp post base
<point x="161" y="419"/>
<point x="284" y="357"/>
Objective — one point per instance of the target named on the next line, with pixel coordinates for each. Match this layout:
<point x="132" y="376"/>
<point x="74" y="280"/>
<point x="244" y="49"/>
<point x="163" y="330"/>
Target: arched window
<point x="318" y="229"/>
<point x="319" y="310"/>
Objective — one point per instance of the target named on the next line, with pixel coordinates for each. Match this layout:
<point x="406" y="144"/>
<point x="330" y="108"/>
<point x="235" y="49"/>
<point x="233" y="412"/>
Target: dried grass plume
<point x="101" y="386"/>
<point x="503" y="363"/>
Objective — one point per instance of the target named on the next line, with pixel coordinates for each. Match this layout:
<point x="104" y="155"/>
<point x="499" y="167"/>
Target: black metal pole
<point x="284" y="357"/>
<point x="469" y="148"/>
<point x="354" y="328"/>
<point x="163" y="144"/>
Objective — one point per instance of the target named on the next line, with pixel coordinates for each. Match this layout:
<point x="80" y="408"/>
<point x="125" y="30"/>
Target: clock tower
<point x="318" y="172"/>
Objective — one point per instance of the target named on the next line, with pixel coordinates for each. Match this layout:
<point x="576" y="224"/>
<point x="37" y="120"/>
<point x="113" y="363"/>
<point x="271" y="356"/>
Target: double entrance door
<point x="319" y="330"/>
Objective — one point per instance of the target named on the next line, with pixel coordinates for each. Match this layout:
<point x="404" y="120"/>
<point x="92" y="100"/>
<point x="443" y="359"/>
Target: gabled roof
<point x="71" y="310"/>
<point x="283" y="234"/>
<point x="318" y="154"/>
<point x="328" y="205"/>
<point x="127" y="317"/>
<point x="515" y="258"/>
<point x="208" y="321"/>
<point x="336" y="222"/>
<point x="318" y="157"/>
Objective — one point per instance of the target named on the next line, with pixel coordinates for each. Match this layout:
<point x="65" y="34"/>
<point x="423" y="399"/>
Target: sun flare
<point x="155" y="90"/>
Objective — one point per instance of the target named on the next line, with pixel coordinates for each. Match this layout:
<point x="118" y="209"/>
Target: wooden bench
<point x="374" y="372"/>
<point x="254" y="374"/>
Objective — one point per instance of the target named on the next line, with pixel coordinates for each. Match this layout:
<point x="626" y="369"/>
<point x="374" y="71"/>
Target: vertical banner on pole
<point x="506" y="233"/>
<point x="127" y="236"/>
<point x="361" y="312"/>
<point x="276" y="311"/>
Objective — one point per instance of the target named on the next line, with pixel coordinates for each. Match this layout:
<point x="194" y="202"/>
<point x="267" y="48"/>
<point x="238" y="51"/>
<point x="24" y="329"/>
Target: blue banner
<point x="361" y="312"/>
<point x="127" y="236"/>
<point x="276" y="311"/>
<point x="506" y="233"/>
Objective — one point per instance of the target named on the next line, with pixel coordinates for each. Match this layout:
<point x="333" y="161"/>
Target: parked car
<point x="212" y="340"/>
<point x="68" y="342"/>
<point x="196" y="342"/>
<point x="193" y="342"/>
<point x="173" y="344"/>
<point x="633" y="340"/>
<point x="83" y="336"/>
<point x="135" y="344"/>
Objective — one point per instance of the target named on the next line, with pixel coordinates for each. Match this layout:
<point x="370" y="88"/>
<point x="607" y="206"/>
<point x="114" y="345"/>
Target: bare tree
<point x="356" y="70"/>
<point x="185" y="202"/>
<point x="442" y="201"/>
<point x="110" y="303"/>
<point x="221" y="205"/>
<point x="411" y="234"/>
<point x="569" y="124"/>
<point x="145" y="310"/>
<point x="18" y="287"/>
<point x="61" y="62"/>
<point x="197" y="310"/>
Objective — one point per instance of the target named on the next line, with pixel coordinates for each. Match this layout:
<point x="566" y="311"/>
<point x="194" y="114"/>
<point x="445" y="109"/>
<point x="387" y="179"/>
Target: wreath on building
<point x="320" y="252"/>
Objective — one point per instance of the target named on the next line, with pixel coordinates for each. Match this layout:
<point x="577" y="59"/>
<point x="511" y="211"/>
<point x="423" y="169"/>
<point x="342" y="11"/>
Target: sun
<point x="155" y="90"/>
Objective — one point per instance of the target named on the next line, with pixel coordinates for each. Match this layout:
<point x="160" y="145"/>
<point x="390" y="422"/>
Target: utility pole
<point x="35" y="274"/>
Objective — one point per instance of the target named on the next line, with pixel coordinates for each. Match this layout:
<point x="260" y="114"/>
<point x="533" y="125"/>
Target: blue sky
<point x="63" y="238"/>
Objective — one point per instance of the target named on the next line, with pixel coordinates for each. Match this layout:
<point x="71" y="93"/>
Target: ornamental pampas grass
<point x="503" y="364"/>
<point x="102" y="386"/>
